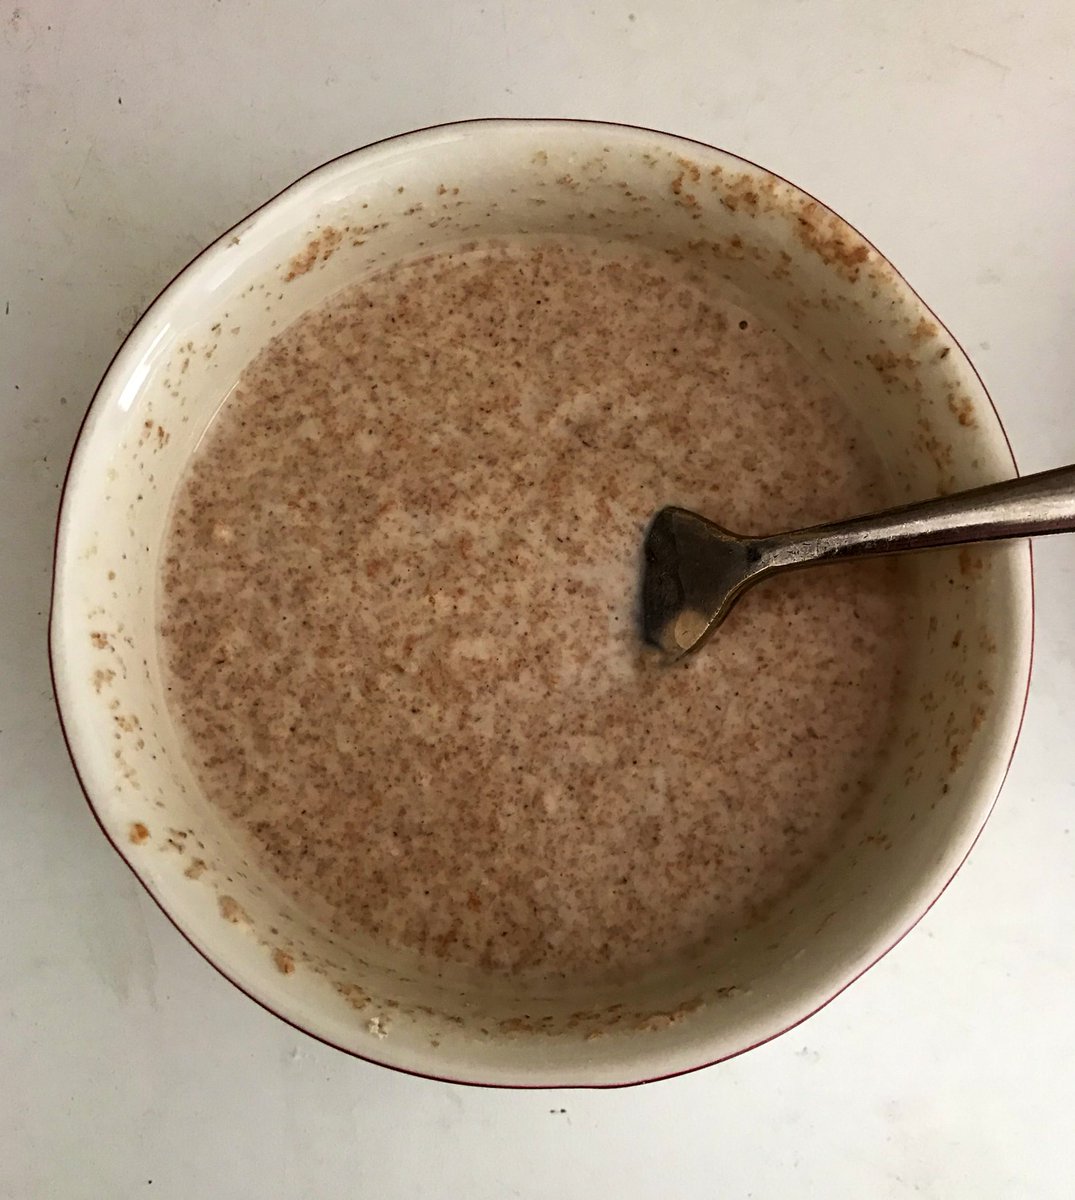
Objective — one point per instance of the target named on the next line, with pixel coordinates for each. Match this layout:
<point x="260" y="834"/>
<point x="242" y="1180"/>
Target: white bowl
<point x="797" y="265"/>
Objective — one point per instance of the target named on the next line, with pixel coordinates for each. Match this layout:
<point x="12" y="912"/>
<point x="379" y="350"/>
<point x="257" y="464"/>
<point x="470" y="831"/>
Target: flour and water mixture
<point x="399" y="614"/>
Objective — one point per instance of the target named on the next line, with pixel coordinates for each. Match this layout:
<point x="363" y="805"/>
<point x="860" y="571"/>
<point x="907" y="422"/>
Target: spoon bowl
<point x="806" y="274"/>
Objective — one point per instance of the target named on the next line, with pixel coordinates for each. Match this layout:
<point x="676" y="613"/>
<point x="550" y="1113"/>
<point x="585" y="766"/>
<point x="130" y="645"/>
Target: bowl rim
<point x="62" y="516"/>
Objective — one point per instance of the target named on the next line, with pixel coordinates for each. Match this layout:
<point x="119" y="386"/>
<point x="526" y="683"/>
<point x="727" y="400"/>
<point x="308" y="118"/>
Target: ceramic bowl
<point x="795" y="264"/>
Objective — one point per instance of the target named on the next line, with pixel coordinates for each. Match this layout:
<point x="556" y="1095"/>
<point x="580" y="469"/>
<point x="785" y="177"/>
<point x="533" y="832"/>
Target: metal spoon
<point x="695" y="570"/>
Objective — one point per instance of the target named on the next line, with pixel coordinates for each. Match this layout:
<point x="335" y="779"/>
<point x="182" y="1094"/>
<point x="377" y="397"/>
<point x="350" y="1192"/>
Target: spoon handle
<point x="1034" y="504"/>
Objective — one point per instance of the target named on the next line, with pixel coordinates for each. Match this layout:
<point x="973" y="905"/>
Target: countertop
<point x="130" y="135"/>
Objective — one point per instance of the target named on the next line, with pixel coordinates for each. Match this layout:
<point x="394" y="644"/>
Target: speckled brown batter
<point x="398" y="613"/>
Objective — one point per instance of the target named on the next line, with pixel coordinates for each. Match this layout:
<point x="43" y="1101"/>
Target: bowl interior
<point x="787" y="259"/>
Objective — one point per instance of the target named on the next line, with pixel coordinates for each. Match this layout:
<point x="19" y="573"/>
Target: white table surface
<point x="132" y="133"/>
